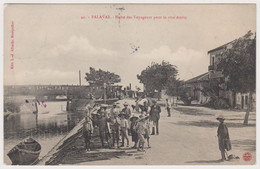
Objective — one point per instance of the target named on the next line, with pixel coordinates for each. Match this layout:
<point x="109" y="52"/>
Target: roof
<point x="202" y="77"/>
<point x="221" y="47"/>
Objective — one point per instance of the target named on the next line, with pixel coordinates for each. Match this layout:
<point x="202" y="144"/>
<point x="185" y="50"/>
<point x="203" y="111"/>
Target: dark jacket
<point x="155" y="113"/>
<point x="223" y="137"/>
<point x="127" y="112"/>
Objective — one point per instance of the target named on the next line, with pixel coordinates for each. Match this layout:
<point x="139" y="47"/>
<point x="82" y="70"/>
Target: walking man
<point x="223" y="137"/>
<point x="168" y="107"/>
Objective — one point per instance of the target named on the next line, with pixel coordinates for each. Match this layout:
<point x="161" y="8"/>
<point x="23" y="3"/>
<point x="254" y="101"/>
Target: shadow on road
<point x="211" y="124"/>
<point x="77" y="157"/>
<point x="247" y="145"/>
<point x="193" y="112"/>
<point x="205" y="161"/>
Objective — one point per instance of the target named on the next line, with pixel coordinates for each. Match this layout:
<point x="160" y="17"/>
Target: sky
<point x="52" y="42"/>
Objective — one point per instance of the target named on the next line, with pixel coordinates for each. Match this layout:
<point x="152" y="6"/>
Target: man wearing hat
<point x="123" y="129"/>
<point x="223" y="137"/>
<point x="114" y="123"/>
<point x="134" y="118"/>
<point x="114" y="111"/>
<point x="126" y="110"/>
<point x="155" y="116"/>
<point x="104" y="132"/>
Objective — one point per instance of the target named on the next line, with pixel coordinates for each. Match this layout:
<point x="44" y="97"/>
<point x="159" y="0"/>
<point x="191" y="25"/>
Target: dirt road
<point x="188" y="137"/>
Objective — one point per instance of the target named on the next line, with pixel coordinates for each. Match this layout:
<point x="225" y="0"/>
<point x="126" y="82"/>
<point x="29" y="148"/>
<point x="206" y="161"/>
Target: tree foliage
<point x="99" y="77"/>
<point x="238" y="64"/>
<point x="158" y="76"/>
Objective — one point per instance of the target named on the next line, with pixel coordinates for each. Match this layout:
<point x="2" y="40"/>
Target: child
<point x="87" y="132"/>
<point x="147" y="131"/>
<point x="140" y="129"/>
<point x="124" y="127"/>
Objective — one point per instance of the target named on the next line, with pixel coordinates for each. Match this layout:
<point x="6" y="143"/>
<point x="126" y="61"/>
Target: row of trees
<point x="238" y="65"/>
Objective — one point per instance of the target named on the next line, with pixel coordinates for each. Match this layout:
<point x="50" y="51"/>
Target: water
<point x="47" y="127"/>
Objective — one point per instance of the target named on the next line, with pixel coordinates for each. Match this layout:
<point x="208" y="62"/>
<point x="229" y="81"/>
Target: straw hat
<point x="220" y="117"/>
<point x="143" y="117"/>
<point x="135" y="115"/>
<point x="104" y="105"/>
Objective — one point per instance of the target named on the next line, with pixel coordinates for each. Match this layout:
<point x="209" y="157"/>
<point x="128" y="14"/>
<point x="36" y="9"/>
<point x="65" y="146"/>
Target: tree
<point x="177" y="88"/>
<point x="238" y="65"/>
<point x="158" y="76"/>
<point x="99" y="77"/>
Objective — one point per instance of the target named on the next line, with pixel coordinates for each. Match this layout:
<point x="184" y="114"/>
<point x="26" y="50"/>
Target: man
<point x="103" y="126"/>
<point x="114" y="124"/>
<point x="155" y="116"/>
<point x="123" y="129"/>
<point x="168" y="107"/>
<point x="87" y="132"/>
<point x="223" y="137"/>
<point x="134" y="134"/>
<point x="127" y="111"/>
<point x="114" y="111"/>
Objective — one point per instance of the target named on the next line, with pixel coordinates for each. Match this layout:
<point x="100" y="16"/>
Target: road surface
<point x="188" y="137"/>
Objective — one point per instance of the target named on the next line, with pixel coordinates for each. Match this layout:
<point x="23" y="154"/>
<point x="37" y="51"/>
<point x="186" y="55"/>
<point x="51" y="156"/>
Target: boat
<point x="25" y="153"/>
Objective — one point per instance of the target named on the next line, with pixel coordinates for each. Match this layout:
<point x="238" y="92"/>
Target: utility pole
<point x="79" y="78"/>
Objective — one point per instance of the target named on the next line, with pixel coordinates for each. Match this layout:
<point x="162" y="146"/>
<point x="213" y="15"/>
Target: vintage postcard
<point x="129" y="84"/>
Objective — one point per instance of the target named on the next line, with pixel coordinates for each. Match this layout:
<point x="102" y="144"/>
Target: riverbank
<point x="48" y="126"/>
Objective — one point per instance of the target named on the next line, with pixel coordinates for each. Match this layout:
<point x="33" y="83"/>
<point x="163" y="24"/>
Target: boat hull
<point x="25" y="153"/>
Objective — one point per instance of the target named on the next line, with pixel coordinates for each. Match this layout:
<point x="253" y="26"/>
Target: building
<point x="214" y="79"/>
<point x="195" y="87"/>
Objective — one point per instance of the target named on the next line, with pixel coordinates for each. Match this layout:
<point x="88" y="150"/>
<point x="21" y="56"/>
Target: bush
<point x="218" y="103"/>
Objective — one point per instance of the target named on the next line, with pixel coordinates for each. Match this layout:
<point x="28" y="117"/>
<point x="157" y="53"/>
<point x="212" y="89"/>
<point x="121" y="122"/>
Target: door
<point x="242" y="102"/>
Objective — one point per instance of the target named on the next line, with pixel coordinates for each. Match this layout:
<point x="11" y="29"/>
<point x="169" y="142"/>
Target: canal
<point x="48" y="126"/>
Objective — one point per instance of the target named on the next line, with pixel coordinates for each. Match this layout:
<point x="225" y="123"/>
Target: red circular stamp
<point x="247" y="156"/>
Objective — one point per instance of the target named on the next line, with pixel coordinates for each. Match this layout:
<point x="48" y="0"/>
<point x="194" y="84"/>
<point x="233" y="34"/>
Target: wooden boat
<point x="25" y="153"/>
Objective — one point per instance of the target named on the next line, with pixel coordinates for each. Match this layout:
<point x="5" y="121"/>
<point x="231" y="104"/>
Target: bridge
<point x="50" y="92"/>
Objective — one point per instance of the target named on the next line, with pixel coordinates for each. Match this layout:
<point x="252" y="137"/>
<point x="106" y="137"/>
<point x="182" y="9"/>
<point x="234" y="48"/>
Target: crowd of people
<point x="139" y="121"/>
<point x="116" y="126"/>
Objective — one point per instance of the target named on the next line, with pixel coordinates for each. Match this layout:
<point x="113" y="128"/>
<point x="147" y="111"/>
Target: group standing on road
<point x="135" y="121"/>
<point x="114" y="125"/>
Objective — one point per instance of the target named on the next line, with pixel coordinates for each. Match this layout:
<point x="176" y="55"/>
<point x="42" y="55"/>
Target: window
<point x="246" y="100"/>
<point x="212" y="60"/>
